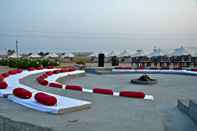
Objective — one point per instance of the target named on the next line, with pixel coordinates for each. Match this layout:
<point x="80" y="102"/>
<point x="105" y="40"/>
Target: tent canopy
<point x="138" y="53"/>
<point x="69" y="55"/>
<point x="34" y="55"/>
<point x="156" y="53"/>
<point x="112" y="53"/>
<point x="180" y="52"/>
<point x="14" y="55"/>
<point x="124" y="53"/>
<point x="51" y="55"/>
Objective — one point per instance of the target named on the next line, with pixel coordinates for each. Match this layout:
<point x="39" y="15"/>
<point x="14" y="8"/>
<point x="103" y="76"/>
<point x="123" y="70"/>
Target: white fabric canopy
<point x="34" y="55"/>
<point x="70" y="55"/>
<point x="14" y="55"/>
<point x="138" y="53"/>
<point x="125" y="53"/>
<point x="94" y="54"/>
<point x="112" y="53"/>
<point x="156" y="53"/>
<point x="51" y="55"/>
<point x="180" y="52"/>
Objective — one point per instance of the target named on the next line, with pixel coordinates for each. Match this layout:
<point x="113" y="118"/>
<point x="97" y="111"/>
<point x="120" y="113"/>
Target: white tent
<point x="34" y="55"/>
<point x="112" y="53"/>
<point x="138" y="53"/>
<point x="94" y="54"/>
<point x="52" y="55"/>
<point x="180" y="52"/>
<point x="156" y="52"/>
<point x="14" y="55"/>
<point x="69" y="55"/>
<point x="125" y="53"/>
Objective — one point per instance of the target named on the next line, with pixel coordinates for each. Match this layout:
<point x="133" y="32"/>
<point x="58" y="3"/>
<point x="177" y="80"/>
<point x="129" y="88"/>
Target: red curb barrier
<point x="31" y="69"/>
<point x="43" y="82"/>
<point x="5" y="74"/>
<point x="49" y="73"/>
<point x="39" y="67"/>
<point x="22" y="93"/>
<point x="103" y="91"/>
<point x="45" y="99"/>
<point x="55" y="85"/>
<point x="12" y="72"/>
<point x="133" y="94"/>
<point x="49" y="67"/>
<point x="1" y="77"/>
<point x="3" y="85"/>
<point x="194" y="70"/>
<point x="74" y="87"/>
<point x="19" y="70"/>
<point x="56" y="71"/>
<point x="44" y="76"/>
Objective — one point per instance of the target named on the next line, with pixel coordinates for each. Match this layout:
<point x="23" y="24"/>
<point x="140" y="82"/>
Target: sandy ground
<point x="113" y="113"/>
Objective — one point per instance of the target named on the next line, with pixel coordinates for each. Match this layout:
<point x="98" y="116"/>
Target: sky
<point x="97" y="25"/>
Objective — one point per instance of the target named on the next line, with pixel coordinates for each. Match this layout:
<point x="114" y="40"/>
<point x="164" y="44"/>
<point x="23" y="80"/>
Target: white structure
<point x="125" y="53"/>
<point x="68" y="55"/>
<point x="94" y="54"/>
<point x="156" y="53"/>
<point x="34" y="55"/>
<point x="125" y="57"/>
<point x="180" y="52"/>
<point x="14" y="55"/>
<point x="52" y="55"/>
<point x="138" y="53"/>
<point x="111" y="54"/>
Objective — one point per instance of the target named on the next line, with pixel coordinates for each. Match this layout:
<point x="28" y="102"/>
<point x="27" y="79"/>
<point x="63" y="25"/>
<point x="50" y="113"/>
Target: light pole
<point x="17" y="49"/>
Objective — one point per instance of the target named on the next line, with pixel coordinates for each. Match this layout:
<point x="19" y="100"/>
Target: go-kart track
<point x="102" y="102"/>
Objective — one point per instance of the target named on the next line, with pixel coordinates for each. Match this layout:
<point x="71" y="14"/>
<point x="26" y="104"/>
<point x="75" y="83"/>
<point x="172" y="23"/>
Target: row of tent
<point x="138" y="53"/>
<point x="155" y="53"/>
<point x="50" y="55"/>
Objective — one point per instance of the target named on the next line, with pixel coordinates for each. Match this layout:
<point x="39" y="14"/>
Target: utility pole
<point x="17" y="49"/>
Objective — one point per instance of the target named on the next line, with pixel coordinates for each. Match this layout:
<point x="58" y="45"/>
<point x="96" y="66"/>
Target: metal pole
<point x="17" y="48"/>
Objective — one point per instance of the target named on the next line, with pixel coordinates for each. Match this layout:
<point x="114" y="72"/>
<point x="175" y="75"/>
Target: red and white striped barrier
<point x="11" y="88"/>
<point x="49" y="79"/>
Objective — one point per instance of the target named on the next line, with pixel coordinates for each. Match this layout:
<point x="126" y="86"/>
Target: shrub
<point x="24" y="63"/>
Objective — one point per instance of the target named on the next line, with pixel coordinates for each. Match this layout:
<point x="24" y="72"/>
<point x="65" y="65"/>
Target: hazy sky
<point x="97" y="25"/>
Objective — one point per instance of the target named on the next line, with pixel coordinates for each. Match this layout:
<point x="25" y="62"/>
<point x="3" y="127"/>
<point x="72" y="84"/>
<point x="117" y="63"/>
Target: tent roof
<point x="112" y="53"/>
<point x="51" y="55"/>
<point x="94" y="54"/>
<point x="138" y="53"/>
<point x="14" y="55"/>
<point x="124" y="53"/>
<point x="34" y="55"/>
<point x="180" y="51"/>
<point x="71" y="55"/>
<point x="156" y="52"/>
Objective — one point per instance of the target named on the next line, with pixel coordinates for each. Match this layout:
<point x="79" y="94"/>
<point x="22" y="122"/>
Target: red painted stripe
<point x="74" y="87"/>
<point x="103" y="91"/>
<point x="133" y="94"/>
<point x="55" y="85"/>
<point x="43" y="82"/>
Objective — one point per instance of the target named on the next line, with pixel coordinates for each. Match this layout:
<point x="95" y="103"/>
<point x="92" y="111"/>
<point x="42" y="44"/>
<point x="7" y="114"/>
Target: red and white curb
<point x="51" y="82"/>
<point x="12" y="80"/>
